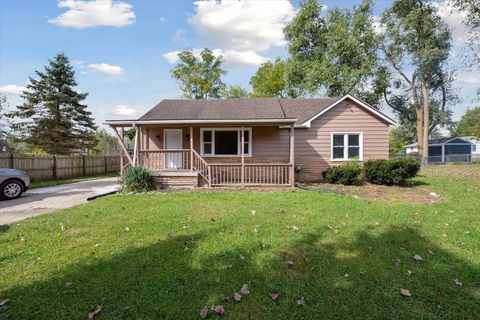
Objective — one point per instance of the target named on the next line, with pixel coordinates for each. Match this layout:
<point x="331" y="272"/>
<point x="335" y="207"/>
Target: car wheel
<point x="11" y="189"/>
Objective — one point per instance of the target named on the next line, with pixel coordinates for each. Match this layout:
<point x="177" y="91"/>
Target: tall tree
<point x="53" y="117"/>
<point x="234" y="92"/>
<point x="336" y="52"/>
<point x="199" y="77"/>
<point x="469" y="124"/>
<point x="269" y="81"/>
<point x="105" y="143"/>
<point x="416" y="48"/>
<point x="4" y="124"/>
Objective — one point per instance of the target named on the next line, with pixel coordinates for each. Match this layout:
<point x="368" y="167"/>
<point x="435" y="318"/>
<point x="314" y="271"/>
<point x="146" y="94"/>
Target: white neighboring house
<point x="411" y="148"/>
<point x="475" y="145"/>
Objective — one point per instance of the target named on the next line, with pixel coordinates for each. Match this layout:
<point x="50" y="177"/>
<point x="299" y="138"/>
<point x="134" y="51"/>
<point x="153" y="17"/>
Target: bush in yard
<point x="391" y="172"/>
<point x="138" y="179"/>
<point x="349" y="174"/>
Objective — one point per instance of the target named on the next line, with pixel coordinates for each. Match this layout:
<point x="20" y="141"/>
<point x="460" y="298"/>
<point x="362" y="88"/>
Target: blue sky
<point x="123" y="50"/>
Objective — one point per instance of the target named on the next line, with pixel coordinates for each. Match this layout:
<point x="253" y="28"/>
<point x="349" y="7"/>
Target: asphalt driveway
<point x="43" y="200"/>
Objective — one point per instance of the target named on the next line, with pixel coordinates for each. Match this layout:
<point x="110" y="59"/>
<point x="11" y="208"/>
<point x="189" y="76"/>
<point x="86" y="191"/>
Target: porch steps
<point x="176" y="179"/>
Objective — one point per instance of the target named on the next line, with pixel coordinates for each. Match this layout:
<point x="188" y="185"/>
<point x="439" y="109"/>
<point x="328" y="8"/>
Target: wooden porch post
<point x="136" y="145"/>
<point x="147" y="144"/>
<point x="122" y="136"/>
<point x="122" y="144"/>
<point x="243" y="156"/>
<point x="292" y="155"/>
<point x="191" y="149"/>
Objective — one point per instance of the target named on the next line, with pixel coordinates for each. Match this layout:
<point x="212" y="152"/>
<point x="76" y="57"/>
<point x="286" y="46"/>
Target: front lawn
<point x="166" y="256"/>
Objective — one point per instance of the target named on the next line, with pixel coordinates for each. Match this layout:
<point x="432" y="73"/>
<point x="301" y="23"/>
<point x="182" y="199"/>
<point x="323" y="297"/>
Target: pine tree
<point x="53" y="117"/>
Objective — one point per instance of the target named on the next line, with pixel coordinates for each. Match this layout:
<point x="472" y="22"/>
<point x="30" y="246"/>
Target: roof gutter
<point x="176" y="122"/>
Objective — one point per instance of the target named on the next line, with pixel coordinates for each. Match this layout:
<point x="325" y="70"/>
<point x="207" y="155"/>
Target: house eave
<point x="119" y="123"/>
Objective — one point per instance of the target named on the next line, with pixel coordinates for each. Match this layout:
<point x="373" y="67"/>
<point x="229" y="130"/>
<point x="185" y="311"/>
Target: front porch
<point x="237" y="156"/>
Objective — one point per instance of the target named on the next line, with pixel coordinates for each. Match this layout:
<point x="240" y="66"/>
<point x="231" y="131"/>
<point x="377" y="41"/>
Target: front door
<point x="173" y="141"/>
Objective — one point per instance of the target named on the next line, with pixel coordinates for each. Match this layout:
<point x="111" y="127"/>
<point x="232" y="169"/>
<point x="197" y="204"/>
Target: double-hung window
<point x="347" y="146"/>
<point x="224" y="142"/>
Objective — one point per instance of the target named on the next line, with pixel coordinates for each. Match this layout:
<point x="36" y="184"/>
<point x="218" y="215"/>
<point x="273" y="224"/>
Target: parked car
<point x="13" y="183"/>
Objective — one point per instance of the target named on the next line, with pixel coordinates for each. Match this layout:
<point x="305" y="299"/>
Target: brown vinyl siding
<point x="313" y="145"/>
<point x="268" y="143"/>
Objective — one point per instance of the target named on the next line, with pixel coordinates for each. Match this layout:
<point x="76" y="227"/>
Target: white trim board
<point x="345" y="145"/>
<point x="239" y="130"/>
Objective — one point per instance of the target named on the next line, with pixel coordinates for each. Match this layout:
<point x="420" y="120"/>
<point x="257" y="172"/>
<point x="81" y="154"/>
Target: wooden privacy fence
<point x="45" y="167"/>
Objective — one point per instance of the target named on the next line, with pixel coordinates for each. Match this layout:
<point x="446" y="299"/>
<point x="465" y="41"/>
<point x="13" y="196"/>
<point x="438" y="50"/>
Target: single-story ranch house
<point x="246" y="142"/>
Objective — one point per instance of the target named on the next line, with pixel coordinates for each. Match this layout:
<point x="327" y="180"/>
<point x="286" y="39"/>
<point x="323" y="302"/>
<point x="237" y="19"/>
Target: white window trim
<point x="345" y="146"/>
<point x="239" y="144"/>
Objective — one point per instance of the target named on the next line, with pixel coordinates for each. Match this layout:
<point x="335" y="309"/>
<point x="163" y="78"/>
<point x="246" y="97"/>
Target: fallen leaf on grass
<point x="254" y="212"/>
<point x="94" y="313"/>
<point x="405" y="292"/>
<point x="237" y="296"/>
<point x="218" y="309"/>
<point x="396" y="262"/>
<point x="127" y="229"/>
<point x="417" y="258"/>
<point x="245" y="289"/>
<point x="68" y="284"/>
<point x="4" y="303"/>
<point x="290" y="264"/>
<point x="242" y="257"/>
<point x="301" y="301"/>
<point x="408" y="273"/>
<point x="274" y="295"/>
<point x="204" y="312"/>
<point x="457" y="282"/>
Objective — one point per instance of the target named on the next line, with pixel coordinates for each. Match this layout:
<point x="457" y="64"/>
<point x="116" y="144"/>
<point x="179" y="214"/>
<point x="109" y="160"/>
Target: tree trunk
<point x="426" y="121"/>
<point x="419" y="113"/>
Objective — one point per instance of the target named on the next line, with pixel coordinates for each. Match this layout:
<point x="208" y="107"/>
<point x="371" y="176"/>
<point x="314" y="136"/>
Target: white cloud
<point x="377" y="25"/>
<point x="232" y="57"/>
<point x="172" y="56"/>
<point x="468" y="77"/>
<point x="454" y="19"/>
<point x="85" y="14"/>
<point x="241" y="31"/>
<point x="106" y="68"/>
<point x="123" y="110"/>
<point x="244" y="57"/>
<point x="178" y="37"/>
<point x="12" y="89"/>
<point x="242" y="25"/>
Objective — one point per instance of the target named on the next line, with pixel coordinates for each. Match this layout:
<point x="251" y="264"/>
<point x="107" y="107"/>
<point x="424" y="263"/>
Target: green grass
<point x="179" y="244"/>
<point x="49" y="183"/>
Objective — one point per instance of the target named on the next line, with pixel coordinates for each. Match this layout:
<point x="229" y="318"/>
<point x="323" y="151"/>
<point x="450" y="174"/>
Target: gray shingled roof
<point x="237" y="109"/>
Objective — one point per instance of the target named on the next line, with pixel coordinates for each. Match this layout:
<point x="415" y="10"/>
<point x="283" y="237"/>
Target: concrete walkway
<point x="43" y="200"/>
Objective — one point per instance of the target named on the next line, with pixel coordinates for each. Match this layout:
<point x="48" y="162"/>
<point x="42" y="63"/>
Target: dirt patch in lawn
<point x="408" y="194"/>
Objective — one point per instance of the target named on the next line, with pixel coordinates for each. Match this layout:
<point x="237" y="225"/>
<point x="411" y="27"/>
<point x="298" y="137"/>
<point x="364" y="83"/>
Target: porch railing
<point x="218" y="174"/>
<point x="251" y="174"/>
<point x="171" y="159"/>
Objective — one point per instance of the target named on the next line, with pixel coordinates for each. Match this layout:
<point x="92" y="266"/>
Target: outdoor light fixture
<point x="187" y="137"/>
<point x="157" y="137"/>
